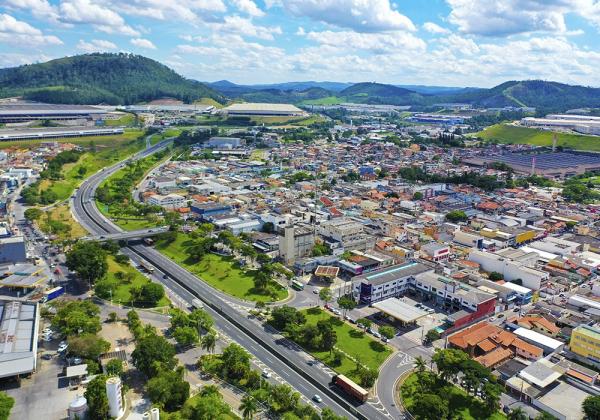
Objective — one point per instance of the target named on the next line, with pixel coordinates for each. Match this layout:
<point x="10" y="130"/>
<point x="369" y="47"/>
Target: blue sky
<point x="435" y="42"/>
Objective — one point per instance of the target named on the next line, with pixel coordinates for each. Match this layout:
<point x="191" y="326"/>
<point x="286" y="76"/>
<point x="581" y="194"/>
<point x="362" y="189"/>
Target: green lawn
<point x="82" y="141"/>
<point x="121" y="287"/>
<point x="59" y="221"/>
<point x="356" y="343"/>
<point x="125" y="120"/>
<point x="461" y="405"/>
<point x="220" y="272"/>
<point x="504" y="133"/>
<point x="328" y="100"/>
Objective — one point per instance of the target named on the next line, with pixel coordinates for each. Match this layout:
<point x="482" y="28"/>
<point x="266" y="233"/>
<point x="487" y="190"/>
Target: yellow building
<point x="585" y="342"/>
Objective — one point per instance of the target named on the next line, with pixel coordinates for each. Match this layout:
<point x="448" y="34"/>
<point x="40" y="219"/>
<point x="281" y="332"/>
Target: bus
<point x="147" y="267"/>
<point x="351" y="388"/>
<point x="297" y="285"/>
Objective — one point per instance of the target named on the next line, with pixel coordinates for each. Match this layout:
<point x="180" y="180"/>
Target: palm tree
<point x="517" y="414"/>
<point x="209" y="342"/>
<point x="420" y="364"/>
<point x="248" y="406"/>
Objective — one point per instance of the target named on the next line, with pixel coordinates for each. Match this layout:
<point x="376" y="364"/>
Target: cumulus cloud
<point x="434" y="28"/>
<point x="248" y="7"/>
<point x="102" y="18"/>
<point x="16" y="32"/>
<point x="143" y="43"/>
<point x="244" y="26"/>
<point x="186" y="10"/>
<point x="95" y="45"/>
<point x="359" y="15"/>
<point x="40" y="9"/>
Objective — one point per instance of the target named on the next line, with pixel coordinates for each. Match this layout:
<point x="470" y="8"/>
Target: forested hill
<point x="116" y="79"/>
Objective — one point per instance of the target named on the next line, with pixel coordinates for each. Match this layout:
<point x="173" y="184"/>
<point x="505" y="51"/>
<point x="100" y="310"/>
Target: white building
<point x="225" y="142"/>
<point x="170" y="201"/>
<point x="349" y="233"/>
<point x="556" y="246"/>
<point x="115" y="398"/>
<point x="509" y="268"/>
<point x="296" y="243"/>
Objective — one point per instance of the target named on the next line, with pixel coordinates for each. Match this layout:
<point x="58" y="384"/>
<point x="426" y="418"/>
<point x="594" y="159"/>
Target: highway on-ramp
<point x="283" y="357"/>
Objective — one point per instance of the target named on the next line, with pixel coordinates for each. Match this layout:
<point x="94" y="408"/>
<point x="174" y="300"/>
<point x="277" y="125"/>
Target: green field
<point x="352" y="341"/>
<point x="105" y="155"/>
<point x="59" y="221"/>
<point x="328" y="100"/>
<point x="508" y="134"/>
<point x="461" y="405"/>
<point x="209" y="101"/>
<point x="122" y="286"/>
<point x="126" y="120"/>
<point x="220" y="272"/>
<point x="82" y="141"/>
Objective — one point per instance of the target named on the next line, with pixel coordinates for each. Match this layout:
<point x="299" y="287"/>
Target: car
<point x="516" y="310"/>
<point x="266" y="373"/>
<point x="316" y="291"/>
<point x="336" y="311"/>
<point x="47" y="337"/>
<point x="165" y="276"/>
<point x="47" y="330"/>
<point x="62" y="347"/>
<point x="359" y="325"/>
<point x="47" y="356"/>
<point x="431" y="311"/>
<point x="317" y="398"/>
<point x="376" y="334"/>
<point x="385" y="339"/>
<point x="352" y="321"/>
<point x="500" y="315"/>
<point x="492" y="319"/>
<point x="76" y="361"/>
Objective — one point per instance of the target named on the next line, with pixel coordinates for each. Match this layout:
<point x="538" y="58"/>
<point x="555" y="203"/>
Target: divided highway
<point x="283" y="357"/>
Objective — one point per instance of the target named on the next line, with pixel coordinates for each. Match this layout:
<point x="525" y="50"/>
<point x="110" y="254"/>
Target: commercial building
<point x="585" y="124"/>
<point x="439" y="119"/>
<point x="400" y="310"/>
<point x="19" y="324"/>
<point x="436" y="252"/>
<point x="13" y="250"/>
<point x="225" y="142"/>
<point x="263" y="109"/>
<point x="169" y="201"/>
<point x="207" y="211"/>
<point x="347" y="232"/>
<point x="511" y="269"/>
<point x="468" y="239"/>
<point x="585" y="342"/>
<point x="296" y="242"/>
<point x="548" y="344"/>
<point x="53" y="133"/>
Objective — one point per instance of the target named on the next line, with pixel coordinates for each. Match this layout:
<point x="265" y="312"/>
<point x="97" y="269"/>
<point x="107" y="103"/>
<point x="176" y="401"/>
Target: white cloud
<point x="434" y="28"/>
<point x="359" y="15"/>
<point x="95" y="45"/>
<point x="187" y="10"/>
<point x="378" y="43"/>
<point x="19" y="33"/>
<point x="40" y="9"/>
<point x="143" y="43"/>
<point x="507" y="17"/>
<point x="102" y="18"/>
<point x="248" y="7"/>
<point x="243" y="26"/>
<point x="18" y="59"/>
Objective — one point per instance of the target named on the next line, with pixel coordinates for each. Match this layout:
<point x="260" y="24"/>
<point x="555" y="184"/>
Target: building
<point x="225" y="142"/>
<point x="28" y="111"/>
<point x="263" y="109"/>
<point x="19" y="324"/>
<point x="388" y="282"/>
<point x="115" y="397"/>
<point x="585" y="342"/>
<point x="548" y="344"/>
<point x="54" y="133"/>
<point x="169" y="201"/>
<point x="537" y="323"/>
<point x="207" y="211"/>
<point x="511" y="269"/>
<point x="585" y="124"/>
<point x="13" y="250"/>
<point x="468" y="239"/>
<point x="436" y="252"/>
<point x="296" y="243"/>
<point x="347" y="232"/>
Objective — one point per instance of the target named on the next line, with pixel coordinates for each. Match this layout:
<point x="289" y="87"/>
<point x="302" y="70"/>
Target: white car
<point x="62" y="347"/>
<point x="266" y="373"/>
<point x="317" y="398"/>
<point x="492" y="319"/>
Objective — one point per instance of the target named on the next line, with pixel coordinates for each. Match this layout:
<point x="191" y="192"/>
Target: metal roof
<point x="400" y="310"/>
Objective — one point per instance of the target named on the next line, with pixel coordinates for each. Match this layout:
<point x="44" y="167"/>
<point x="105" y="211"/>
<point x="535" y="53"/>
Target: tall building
<point x="296" y="243"/>
<point x="115" y="397"/>
<point x="585" y="342"/>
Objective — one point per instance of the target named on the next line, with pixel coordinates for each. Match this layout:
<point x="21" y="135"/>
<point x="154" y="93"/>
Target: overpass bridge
<point x="126" y="235"/>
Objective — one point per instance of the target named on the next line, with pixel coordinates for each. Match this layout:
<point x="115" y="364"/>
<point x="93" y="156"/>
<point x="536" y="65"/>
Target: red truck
<point x="351" y="388"/>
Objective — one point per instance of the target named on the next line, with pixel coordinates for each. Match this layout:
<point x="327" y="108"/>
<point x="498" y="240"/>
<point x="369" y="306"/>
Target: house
<point x="538" y="323"/>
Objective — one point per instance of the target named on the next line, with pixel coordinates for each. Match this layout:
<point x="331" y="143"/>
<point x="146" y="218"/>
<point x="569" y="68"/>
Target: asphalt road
<point x="282" y="356"/>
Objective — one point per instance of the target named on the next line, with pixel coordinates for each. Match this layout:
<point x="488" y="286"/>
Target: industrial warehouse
<point x="550" y="164"/>
<point x="56" y="133"/>
<point x="265" y="110"/>
<point x="29" y="111"/>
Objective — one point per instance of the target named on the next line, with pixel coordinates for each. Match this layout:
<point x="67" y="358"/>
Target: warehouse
<point x="54" y="133"/>
<point x="24" y="111"/>
<point x="19" y="323"/>
<point x="265" y="110"/>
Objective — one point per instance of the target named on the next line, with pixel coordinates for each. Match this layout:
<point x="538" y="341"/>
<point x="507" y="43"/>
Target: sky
<point x="432" y="42"/>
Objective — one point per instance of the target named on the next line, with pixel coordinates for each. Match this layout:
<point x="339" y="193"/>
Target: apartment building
<point x="349" y="233"/>
<point x="169" y="201"/>
<point x="296" y="242"/>
<point x="585" y="342"/>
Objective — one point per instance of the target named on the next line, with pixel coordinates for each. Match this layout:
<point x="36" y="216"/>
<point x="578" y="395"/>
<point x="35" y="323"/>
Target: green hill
<point x="116" y="79"/>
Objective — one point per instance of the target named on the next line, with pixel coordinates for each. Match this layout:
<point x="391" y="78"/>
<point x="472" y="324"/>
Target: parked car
<point x="359" y="325"/>
<point x="62" y="347"/>
<point x="385" y="339"/>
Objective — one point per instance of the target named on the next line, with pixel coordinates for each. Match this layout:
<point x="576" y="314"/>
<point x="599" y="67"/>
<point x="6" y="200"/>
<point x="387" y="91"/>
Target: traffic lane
<point x="274" y="363"/>
<point x="286" y="348"/>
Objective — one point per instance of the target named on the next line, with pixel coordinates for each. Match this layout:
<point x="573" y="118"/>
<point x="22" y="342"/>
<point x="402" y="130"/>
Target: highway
<point x="132" y="234"/>
<point x="282" y="356"/>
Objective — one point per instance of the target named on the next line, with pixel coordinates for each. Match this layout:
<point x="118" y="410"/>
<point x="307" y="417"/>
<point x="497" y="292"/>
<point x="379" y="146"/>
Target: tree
<point x="495" y="276"/>
<point x="186" y="336"/>
<point x="591" y="407"/>
<point x="420" y="363"/>
<point x="449" y="362"/>
<point x="96" y="397"/>
<point x="152" y="293"/>
<point x="168" y="389"/>
<point x="81" y="171"/>
<point x="518" y="413"/>
<point x="432" y="335"/>
<point x="77" y="317"/>
<point x="236" y="362"/>
<point x="328" y="335"/>
<point x="121" y="259"/>
<point x="491" y="395"/>
<point x="430" y="407"/>
<point x="456" y="216"/>
<point x="325" y="295"/>
<point x="87" y="346"/>
<point x="153" y="352"/>
<point x="364" y="321"/>
<point x="268" y="227"/>
<point x="209" y="342"/>
<point x="6" y="404"/>
<point x="261" y="280"/>
<point x="114" y="367"/>
<point x="545" y="416"/>
<point x="328" y="414"/>
<point x="284" y="398"/>
<point x="368" y="377"/>
<point x="417" y="196"/>
<point x="208" y="407"/>
<point x="347" y="303"/>
<point x="112" y="317"/>
<point x="33" y="214"/>
<point x="283" y="316"/>
<point x="248" y="406"/>
<point x="201" y="319"/>
<point x="387" y="331"/>
<point x="88" y="260"/>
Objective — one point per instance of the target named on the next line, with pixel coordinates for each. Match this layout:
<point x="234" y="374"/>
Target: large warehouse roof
<point x="400" y="310"/>
<point x="18" y="337"/>
<point x="57" y="132"/>
<point x="47" y="109"/>
<point x="260" y="107"/>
